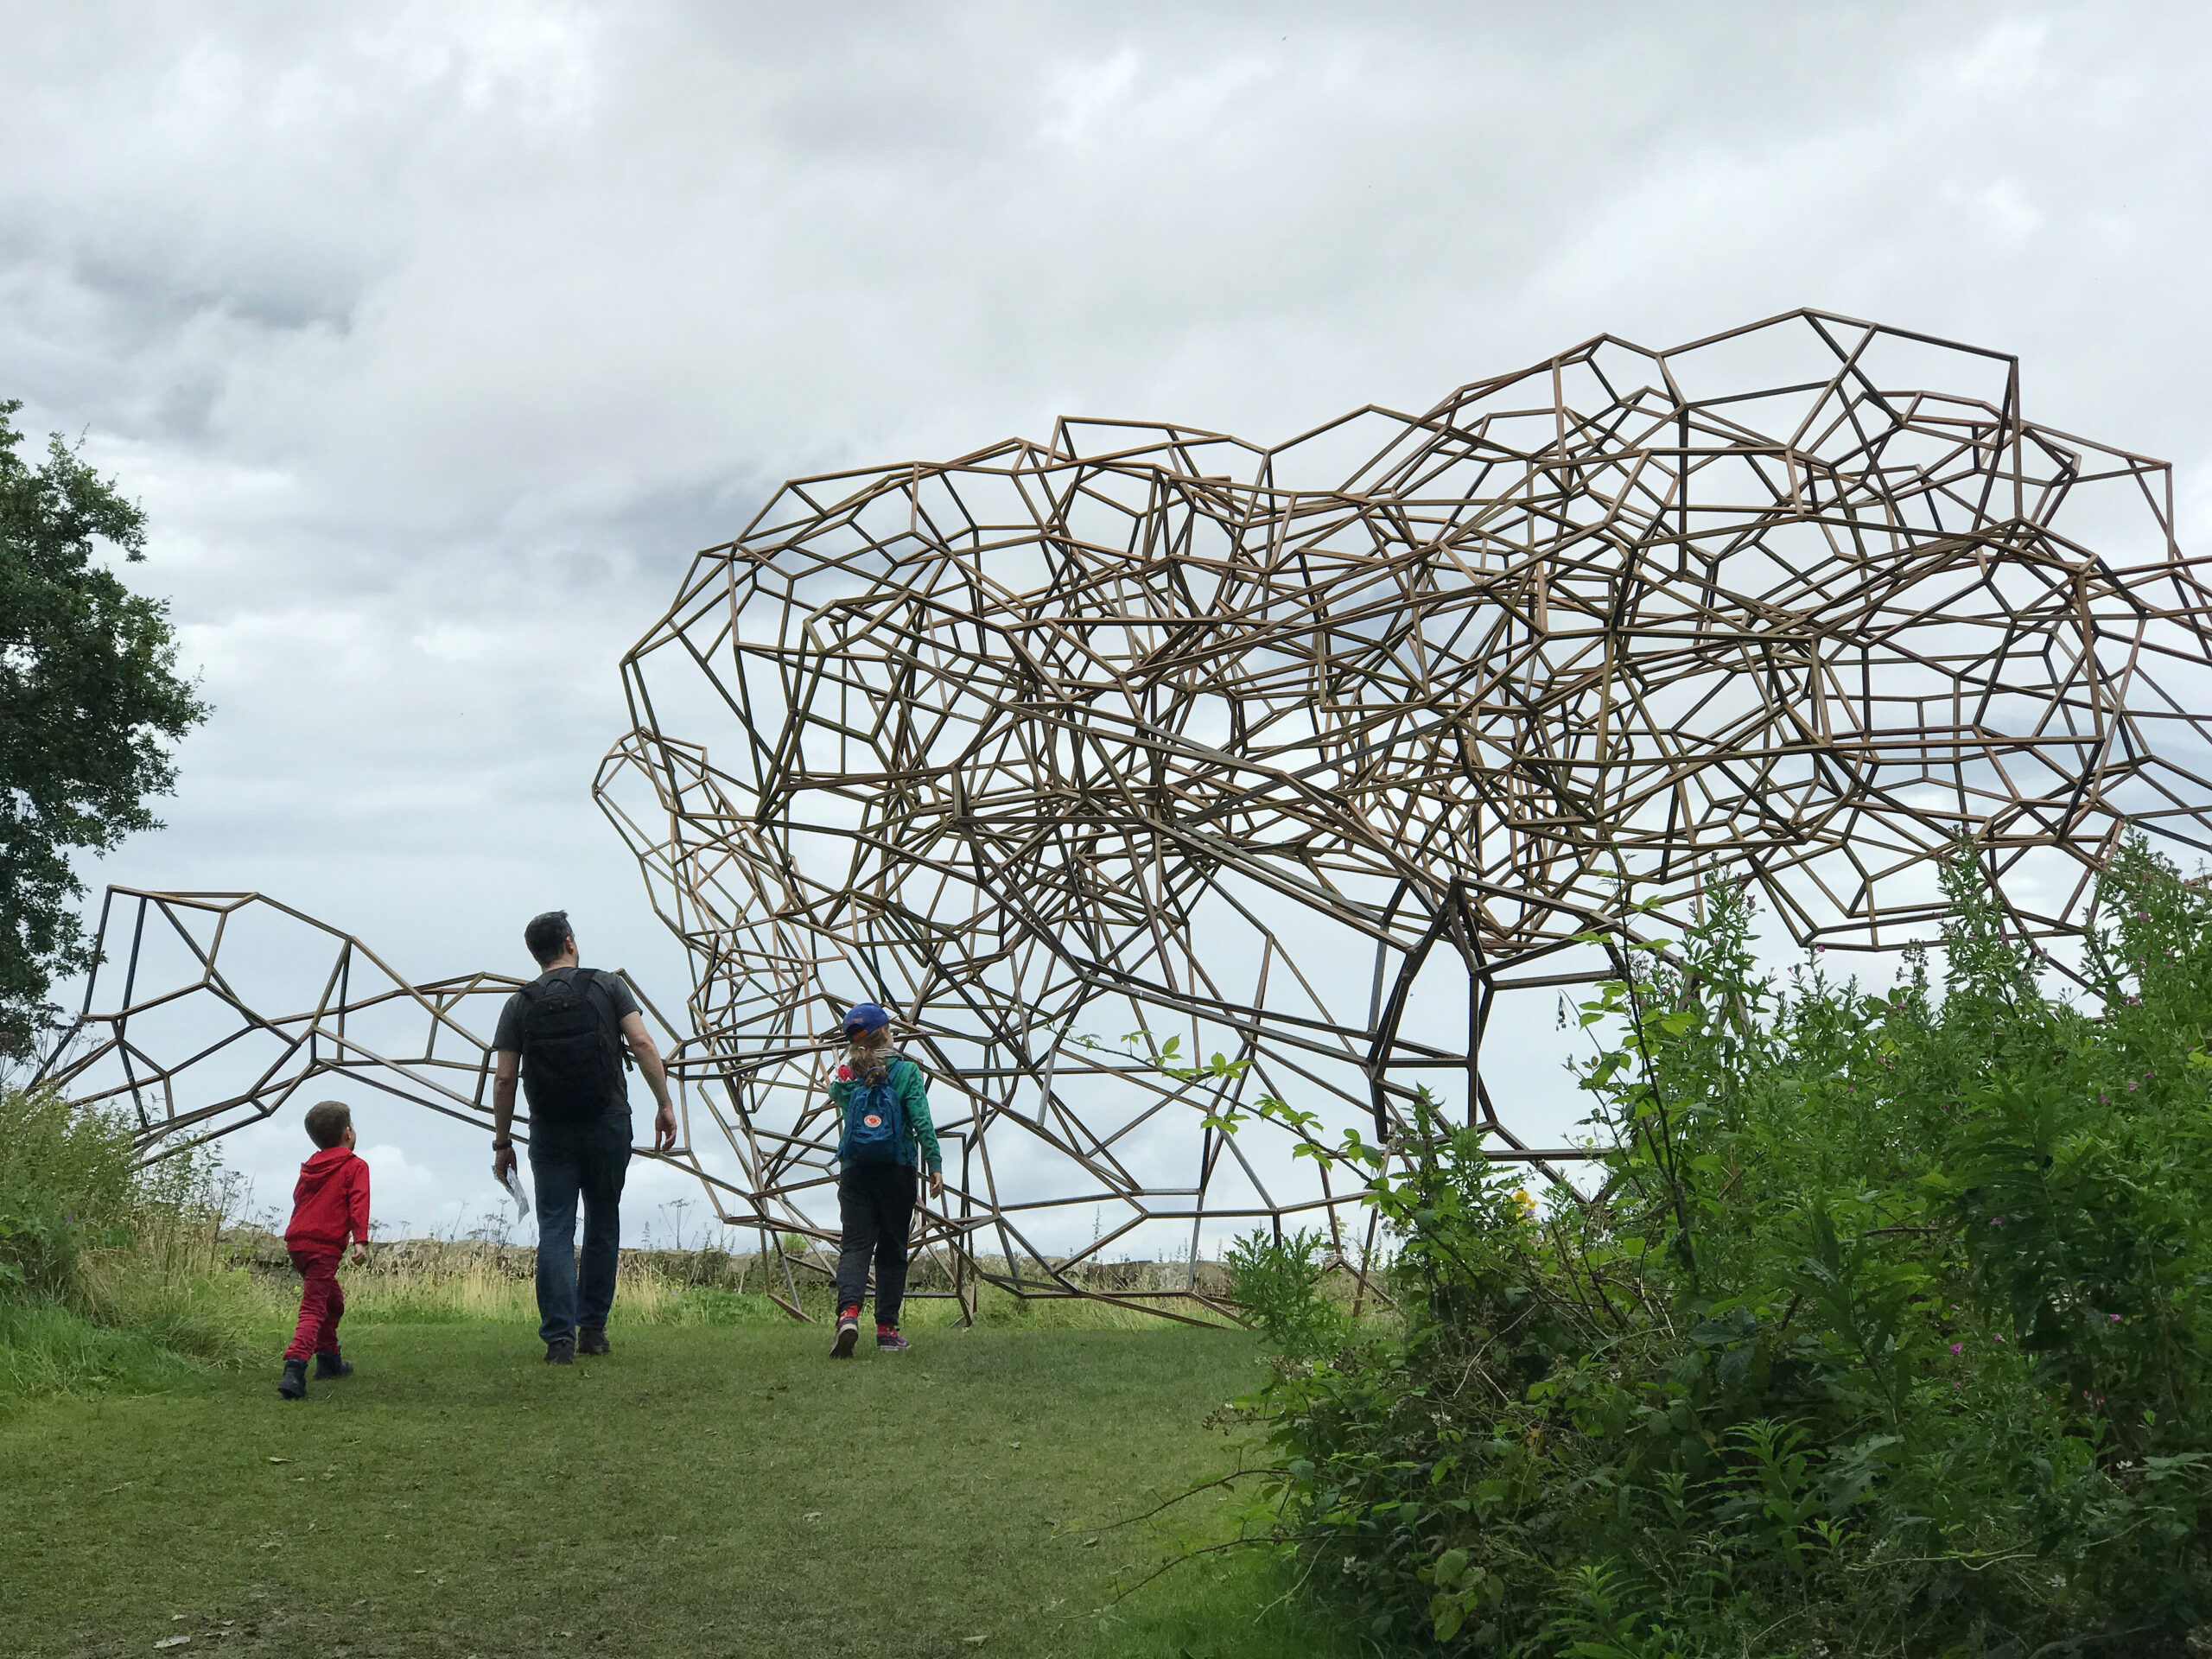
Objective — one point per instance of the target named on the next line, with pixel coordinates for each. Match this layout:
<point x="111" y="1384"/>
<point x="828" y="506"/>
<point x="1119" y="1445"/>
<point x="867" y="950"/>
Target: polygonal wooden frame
<point x="1315" y="756"/>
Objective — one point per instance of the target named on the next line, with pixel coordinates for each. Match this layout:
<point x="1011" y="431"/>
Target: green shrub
<point x="1888" y="1331"/>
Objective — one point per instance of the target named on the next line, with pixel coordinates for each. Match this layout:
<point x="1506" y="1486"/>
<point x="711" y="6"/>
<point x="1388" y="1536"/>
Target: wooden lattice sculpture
<point x="1096" y="757"/>
<point x="210" y="1011"/>
<point x="1309" y="755"/>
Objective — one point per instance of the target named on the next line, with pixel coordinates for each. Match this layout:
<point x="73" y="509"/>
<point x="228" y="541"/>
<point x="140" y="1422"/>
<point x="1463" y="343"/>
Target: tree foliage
<point x="89" y="702"/>
<point x="1890" y="1331"/>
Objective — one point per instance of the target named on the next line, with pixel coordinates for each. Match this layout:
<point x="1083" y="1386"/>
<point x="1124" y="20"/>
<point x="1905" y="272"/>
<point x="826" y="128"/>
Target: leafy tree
<point x="89" y="702"/>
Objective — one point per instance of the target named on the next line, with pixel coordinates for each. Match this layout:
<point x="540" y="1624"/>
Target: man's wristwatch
<point x="502" y="1146"/>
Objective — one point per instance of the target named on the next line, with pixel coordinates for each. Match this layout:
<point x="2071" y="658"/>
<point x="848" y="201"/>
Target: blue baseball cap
<point x="865" y="1016"/>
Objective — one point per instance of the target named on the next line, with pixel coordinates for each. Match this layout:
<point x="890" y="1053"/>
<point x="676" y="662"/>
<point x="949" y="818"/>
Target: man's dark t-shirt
<point x="608" y="993"/>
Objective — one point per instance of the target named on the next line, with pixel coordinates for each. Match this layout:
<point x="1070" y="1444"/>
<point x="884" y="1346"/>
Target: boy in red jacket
<point x="329" y="1205"/>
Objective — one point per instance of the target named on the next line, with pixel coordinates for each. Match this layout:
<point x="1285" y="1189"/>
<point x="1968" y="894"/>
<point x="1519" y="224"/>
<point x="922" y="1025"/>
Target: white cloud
<point x="436" y="339"/>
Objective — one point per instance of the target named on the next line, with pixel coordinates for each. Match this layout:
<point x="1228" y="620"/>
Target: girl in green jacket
<point x="886" y="1140"/>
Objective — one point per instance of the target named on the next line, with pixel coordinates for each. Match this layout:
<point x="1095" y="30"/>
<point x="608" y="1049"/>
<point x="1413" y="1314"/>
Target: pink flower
<point x="2115" y="1317"/>
<point x="1958" y="1347"/>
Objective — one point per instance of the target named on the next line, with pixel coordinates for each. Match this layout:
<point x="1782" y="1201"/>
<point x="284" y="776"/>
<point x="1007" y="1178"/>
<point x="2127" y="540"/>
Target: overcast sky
<point x="435" y="339"/>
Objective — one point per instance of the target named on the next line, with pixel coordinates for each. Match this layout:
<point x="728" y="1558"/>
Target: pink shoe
<point x="888" y="1339"/>
<point x="848" y="1336"/>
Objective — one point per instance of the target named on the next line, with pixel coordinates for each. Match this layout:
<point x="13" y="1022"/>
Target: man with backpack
<point x="887" y="1133"/>
<point x="564" y="1032"/>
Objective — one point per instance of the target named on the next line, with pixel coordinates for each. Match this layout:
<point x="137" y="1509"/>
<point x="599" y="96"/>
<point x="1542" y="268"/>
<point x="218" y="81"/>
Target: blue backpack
<point x="876" y="1123"/>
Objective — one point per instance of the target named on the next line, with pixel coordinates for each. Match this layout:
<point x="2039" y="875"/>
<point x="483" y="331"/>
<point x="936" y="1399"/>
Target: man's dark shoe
<point x="592" y="1339"/>
<point x="562" y="1352"/>
<point x="888" y="1339"/>
<point x="294" y="1384"/>
<point x="331" y="1365"/>
<point x="848" y="1336"/>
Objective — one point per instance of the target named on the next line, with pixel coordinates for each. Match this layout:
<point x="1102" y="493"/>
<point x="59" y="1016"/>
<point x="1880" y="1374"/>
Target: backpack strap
<point x="909" y="1142"/>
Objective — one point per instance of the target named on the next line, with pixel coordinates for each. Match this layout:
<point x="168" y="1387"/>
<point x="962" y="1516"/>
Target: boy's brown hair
<point x="328" y="1122"/>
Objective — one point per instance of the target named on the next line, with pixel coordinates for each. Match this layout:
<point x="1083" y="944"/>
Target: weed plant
<point x="1282" y="1285"/>
<point x="1887" y="1331"/>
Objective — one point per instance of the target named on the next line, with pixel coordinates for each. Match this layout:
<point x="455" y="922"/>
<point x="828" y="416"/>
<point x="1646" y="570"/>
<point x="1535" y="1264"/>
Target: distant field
<point x="719" y="1490"/>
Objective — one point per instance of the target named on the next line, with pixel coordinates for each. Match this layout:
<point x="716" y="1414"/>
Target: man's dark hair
<point x="547" y="935"/>
<point x="328" y="1122"/>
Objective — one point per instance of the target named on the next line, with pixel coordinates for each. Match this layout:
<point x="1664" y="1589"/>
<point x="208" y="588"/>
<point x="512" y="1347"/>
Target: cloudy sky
<point x="435" y="339"/>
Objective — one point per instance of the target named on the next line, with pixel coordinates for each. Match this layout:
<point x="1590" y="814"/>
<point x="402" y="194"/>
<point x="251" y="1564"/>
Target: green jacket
<point x="913" y="1103"/>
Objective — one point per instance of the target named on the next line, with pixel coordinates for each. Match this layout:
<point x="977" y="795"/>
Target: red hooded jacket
<point x="331" y="1201"/>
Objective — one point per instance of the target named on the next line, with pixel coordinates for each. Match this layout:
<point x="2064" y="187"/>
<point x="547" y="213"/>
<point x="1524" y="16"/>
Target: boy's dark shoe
<point x="888" y="1339"/>
<point x="562" y="1352"/>
<point x="592" y="1339"/>
<point x="294" y="1384"/>
<point x="848" y="1337"/>
<point x="331" y="1365"/>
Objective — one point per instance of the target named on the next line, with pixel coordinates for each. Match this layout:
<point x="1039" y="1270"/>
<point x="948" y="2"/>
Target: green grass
<point x="705" y="1490"/>
<point x="48" y="1348"/>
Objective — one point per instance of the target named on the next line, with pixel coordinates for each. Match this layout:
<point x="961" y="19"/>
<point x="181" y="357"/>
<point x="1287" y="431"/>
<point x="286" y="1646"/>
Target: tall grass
<point x="441" y="1281"/>
<point x="435" y="1280"/>
<point x="66" y="1186"/>
<point x="110" y="1275"/>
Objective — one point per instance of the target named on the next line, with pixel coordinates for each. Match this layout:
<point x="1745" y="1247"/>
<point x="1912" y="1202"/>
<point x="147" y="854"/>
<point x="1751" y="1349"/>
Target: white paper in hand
<point x="521" y="1193"/>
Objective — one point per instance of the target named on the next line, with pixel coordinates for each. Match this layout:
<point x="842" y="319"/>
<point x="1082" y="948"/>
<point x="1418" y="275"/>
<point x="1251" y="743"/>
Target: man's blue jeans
<point x="569" y="1161"/>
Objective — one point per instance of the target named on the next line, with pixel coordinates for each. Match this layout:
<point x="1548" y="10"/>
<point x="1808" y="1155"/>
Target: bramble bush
<point x="1886" y="1332"/>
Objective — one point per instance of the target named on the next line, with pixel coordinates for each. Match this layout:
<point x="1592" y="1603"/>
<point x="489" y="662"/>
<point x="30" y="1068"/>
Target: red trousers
<point x="322" y="1304"/>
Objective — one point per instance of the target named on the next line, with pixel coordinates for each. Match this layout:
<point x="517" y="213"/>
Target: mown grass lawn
<point x="702" y="1491"/>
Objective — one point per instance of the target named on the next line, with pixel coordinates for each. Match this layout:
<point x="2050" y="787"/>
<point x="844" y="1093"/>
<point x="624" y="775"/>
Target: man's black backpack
<point x="571" y="1053"/>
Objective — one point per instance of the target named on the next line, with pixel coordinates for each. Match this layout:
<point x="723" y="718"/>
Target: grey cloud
<point x="436" y="339"/>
